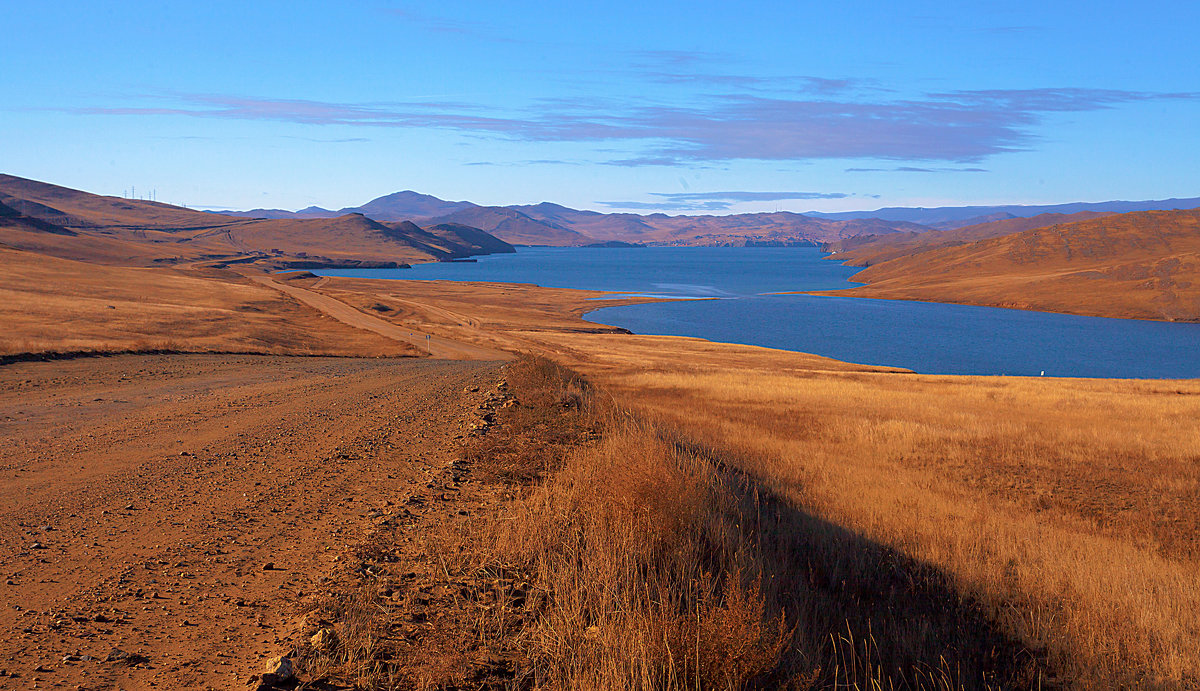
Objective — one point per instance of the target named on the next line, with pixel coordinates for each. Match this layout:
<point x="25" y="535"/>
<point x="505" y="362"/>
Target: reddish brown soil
<point x="145" y="496"/>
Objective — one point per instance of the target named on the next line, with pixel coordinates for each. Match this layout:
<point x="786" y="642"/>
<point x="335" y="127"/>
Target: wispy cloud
<point x="448" y="25"/>
<point x="715" y="201"/>
<point x="916" y="169"/>
<point x="320" y="140"/>
<point x="666" y="206"/>
<point x="747" y="196"/>
<point x="705" y="68"/>
<point x="955" y="126"/>
<point x="528" y="162"/>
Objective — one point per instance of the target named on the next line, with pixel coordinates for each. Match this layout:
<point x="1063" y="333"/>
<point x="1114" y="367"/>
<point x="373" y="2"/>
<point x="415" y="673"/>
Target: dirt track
<point x="142" y="497"/>
<point x="436" y="346"/>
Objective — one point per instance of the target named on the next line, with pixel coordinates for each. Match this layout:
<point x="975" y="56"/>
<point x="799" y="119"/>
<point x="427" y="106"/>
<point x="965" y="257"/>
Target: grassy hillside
<point x="908" y="531"/>
<point x="77" y="225"/>
<point x="53" y="305"/>
<point x="866" y="250"/>
<point x="1143" y="265"/>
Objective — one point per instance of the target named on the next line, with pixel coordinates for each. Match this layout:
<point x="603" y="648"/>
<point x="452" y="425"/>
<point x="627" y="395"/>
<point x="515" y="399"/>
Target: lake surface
<point x="930" y="338"/>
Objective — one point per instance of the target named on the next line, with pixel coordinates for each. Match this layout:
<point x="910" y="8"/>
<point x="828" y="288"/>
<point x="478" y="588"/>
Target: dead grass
<point x="912" y="531"/>
<point x="50" y="305"/>
<point x="1140" y="265"/>
<point x="1058" y="509"/>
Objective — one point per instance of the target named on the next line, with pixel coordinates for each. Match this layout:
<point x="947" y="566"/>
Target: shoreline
<point x="946" y="364"/>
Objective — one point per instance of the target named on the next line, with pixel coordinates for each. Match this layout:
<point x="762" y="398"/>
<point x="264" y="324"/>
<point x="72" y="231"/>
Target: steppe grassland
<point x="1064" y="507"/>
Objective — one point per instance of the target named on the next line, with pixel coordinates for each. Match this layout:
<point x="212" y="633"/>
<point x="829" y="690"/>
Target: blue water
<point x="931" y="338"/>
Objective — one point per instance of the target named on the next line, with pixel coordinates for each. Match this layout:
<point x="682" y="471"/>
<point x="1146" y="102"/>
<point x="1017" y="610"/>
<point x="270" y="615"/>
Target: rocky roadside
<point x="416" y="605"/>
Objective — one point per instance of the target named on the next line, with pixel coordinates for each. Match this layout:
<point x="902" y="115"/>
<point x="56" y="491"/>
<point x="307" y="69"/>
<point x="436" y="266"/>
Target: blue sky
<point x="625" y="105"/>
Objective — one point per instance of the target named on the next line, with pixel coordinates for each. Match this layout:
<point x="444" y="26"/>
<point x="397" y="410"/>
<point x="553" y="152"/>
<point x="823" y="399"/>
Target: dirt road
<point x="436" y="346"/>
<point x="171" y="511"/>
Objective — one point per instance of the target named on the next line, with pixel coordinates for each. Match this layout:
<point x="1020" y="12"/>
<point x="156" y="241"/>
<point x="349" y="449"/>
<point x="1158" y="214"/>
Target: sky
<point x="627" y="105"/>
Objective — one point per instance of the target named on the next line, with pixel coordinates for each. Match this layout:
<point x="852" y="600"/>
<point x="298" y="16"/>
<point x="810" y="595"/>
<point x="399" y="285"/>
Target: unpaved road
<point x="141" y="498"/>
<point x="436" y="346"/>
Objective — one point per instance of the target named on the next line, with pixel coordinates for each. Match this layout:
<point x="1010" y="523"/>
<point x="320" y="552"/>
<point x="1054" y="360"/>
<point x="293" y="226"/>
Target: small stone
<point x="37" y="545"/>
<point x="325" y="640"/>
<point x="269" y="566"/>
<point x="185" y="453"/>
<point x="116" y="655"/>
<point x="278" y="670"/>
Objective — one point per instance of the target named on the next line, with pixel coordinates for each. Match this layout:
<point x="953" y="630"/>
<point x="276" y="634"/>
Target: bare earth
<point x="436" y="346"/>
<point x="145" y="498"/>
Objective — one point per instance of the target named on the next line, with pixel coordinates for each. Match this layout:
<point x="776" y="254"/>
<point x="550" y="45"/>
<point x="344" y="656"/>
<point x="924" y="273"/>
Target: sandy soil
<point x="177" y="508"/>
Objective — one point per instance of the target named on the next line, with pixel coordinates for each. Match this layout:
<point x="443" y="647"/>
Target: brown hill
<point x="479" y="242"/>
<point x="780" y="228"/>
<point x="49" y="304"/>
<point x="73" y="208"/>
<point x="866" y="250"/>
<point x="515" y="227"/>
<point x="77" y="225"/>
<point x="557" y="225"/>
<point x="1143" y="265"/>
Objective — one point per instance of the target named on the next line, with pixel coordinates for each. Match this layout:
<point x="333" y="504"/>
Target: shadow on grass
<point x="863" y="615"/>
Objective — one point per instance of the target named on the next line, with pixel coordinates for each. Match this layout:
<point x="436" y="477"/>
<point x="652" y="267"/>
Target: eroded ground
<point x="176" y="509"/>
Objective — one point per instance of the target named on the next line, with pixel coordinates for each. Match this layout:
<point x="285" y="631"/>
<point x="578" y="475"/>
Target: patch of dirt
<point x="163" y="518"/>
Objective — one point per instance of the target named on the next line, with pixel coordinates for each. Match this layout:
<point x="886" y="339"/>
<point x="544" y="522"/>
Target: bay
<point x="931" y="338"/>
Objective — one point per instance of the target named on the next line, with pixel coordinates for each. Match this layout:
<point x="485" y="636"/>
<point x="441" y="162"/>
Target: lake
<point x="931" y="338"/>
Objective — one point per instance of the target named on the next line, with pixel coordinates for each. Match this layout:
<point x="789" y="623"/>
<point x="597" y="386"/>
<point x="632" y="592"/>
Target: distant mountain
<point x="774" y="229"/>
<point x="947" y="217"/>
<point x="461" y="235"/>
<point x="554" y="224"/>
<point x="515" y="227"/>
<point x="1143" y="265"/>
<point x="72" y="224"/>
<point x="398" y="206"/>
<point x="407" y="205"/>
<point x="310" y="212"/>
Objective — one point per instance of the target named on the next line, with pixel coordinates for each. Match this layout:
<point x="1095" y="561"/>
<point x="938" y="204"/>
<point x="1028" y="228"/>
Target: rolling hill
<point x="72" y="224"/>
<point x="865" y="250"/>
<point x="950" y="217"/>
<point x="557" y="225"/>
<point x="1143" y="265"/>
<point x="780" y="228"/>
<point x="515" y="227"/>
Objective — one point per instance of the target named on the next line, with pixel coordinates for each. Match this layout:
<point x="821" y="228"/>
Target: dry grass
<point x="1062" y="510"/>
<point x="913" y="531"/>
<point x="51" y="305"/>
<point x="1139" y="265"/>
<point x="923" y="531"/>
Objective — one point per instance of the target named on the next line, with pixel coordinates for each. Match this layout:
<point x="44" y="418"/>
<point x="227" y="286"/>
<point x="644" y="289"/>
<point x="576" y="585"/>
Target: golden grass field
<point x="1139" y="265"/>
<point x="1054" y="519"/>
<point x="52" y="305"/>
<point x="738" y="517"/>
